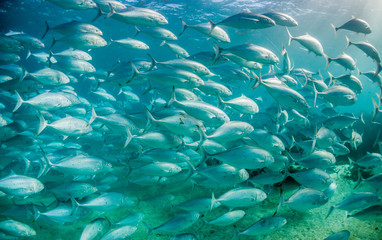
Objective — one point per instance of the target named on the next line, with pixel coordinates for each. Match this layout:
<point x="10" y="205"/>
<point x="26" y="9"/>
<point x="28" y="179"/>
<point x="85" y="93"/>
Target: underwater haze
<point x="204" y="119"/>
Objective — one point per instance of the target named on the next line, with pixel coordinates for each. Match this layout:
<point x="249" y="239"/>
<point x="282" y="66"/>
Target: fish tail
<point x="47" y="28"/>
<point x="213" y="200"/>
<point x="328" y="60"/>
<point x="162" y="43"/>
<point x="75" y="207"/>
<point x="203" y="137"/>
<point x="315" y="94"/>
<point x="20" y="101"/>
<point x="282" y="201"/>
<point x="348" y="42"/>
<point x="184" y="27"/>
<point x="172" y="99"/>
<point x="153" y="61"/>
<point x="36" y="213"/>
<point x="149" y="229"/>
<point x="217" y="51"/>
<point x="93" y="117"/>
<point x="379" y="68"/>
<point x="134" y="73"/>
<point x="376" y="109"/>
<point x="213" y="25"/>
<point x="53" y="43"/>
<point x="45" y="164"/>
<point x="99" y="13"/>
<point x="129" y="137"/>
<point x="28" y="54"/>
<point x="258" y="79"/>
<point x="330" y="211"/>
<point x="331" y="78"/>
<point x="150" y="120"/>
<point x="335" y="30"/>
<point x="112" y="11"/>
<point x="42" y="124"/>
<point x="290" y="36"/>
<point x="220" y="100"/>
<point x="362" y="119"/>
<point x="237" y="232"/>
<point x="137" y="31"/>
<point x="360" y="179"/>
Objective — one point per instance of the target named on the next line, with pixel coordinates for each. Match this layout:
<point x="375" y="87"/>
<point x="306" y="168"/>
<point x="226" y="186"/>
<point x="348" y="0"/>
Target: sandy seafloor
<point x="301" y="225"/>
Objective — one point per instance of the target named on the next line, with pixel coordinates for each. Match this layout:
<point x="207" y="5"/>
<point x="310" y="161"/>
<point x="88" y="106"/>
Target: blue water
<point x="314" y="17"/>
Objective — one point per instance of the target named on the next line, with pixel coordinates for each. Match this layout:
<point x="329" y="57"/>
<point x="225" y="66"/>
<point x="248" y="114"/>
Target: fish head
<point x="161" y="20"/>
<point x="100" y="42"/>
<point x="89" y="4"/>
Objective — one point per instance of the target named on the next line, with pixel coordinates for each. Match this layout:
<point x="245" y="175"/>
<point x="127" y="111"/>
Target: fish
<point x="355" y="25"/>
<point x="242" y="197"/>
<point x="158" y="33"/>
<point x="205" y="28"/>
<point x="10" y="45"/>
<point x="245" y="156"/>
<point x="369" y="50"/>
<point x="138" y="16"/>
<point x="357" y="200"/>
<point x="224" y="173"/>
<point x="175" y="48"/>
<point x="227" y="219"/>
<point x="310" y="43"/>
<point x="119" y="233"/>
<point x="249" y="52"/>
<point x="305" y="199"/>
<point x="245" y="20"/>
<point x="241" y="104"/>
<point x="29" y="42"/>
<point x="8" y="58"/>
<point x="82" y="40"/>
<point x="105" y="202"/>
<point x="341" y="235"/>
<point x="20" y="185"/>
<point x="72" y="27"/>
<point x="95" y="228"/>
<point x="62" y="214"/>
<point x="75" y="4"/>
<point x="372" y="212"/>
<point x="281" y="19"/>
<point x="179" y="222"/>
<point x="17" y="229"/>
<point x="130" y="43"/>
<point x="344" y="60"/>
<point x="264" y="226"/>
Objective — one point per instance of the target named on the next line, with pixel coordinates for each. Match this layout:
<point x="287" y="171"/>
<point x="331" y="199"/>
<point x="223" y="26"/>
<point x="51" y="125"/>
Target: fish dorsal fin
<point x="246" y="10"/>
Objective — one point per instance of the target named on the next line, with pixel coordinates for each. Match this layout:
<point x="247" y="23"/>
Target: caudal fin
<point x="93" y="117"/>
<point x="335" y="30"/>
<point x="290" y="36"/>
<point x="330" y="211"/>
<point x="20" y="101"/>
<point x="328" y="60"/>
<point x="153" y="62"/>
<point x="184" y="25"/>
<point x="111" y="11"/>
<point x="172" y="99"/>
<point x="137" y="31"/>
<point x="348" y="42"/>
<point x="99" y="13"/>
<point x="42" y="124"/>
<point x="217" y="51"/>
<point x="379" y="68"/>
<point x="47" y="28"/>
<point x="213" y="25"/>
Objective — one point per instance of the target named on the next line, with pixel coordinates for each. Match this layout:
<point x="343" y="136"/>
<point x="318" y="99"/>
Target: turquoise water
<point x="154" y="195"/>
